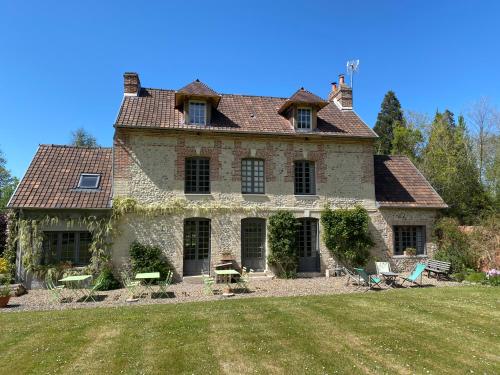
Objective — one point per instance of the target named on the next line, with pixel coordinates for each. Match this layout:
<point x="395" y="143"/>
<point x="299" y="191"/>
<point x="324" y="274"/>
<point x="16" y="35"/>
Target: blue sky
<point x="61" y="63"/>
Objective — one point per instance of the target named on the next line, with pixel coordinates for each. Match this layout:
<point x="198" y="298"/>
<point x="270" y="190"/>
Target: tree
<point x="389" y="116"/>
<point x="485" y="120"/>
<point x="409" y="140"/>
<point x="450" y="166"/>
<point x="81" y="138"/>
<point x="8" y="183"/>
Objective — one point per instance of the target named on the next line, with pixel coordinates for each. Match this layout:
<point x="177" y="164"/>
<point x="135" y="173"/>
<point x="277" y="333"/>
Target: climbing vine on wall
<point x="28" y="231"/>
<point x="346" y="234"/>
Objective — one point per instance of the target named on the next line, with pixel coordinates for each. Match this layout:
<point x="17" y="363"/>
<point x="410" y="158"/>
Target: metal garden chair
<point x="164" y="284"/>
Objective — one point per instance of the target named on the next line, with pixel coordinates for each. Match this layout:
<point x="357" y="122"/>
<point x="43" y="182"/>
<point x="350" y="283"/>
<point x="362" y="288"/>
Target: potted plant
<point x="227" y="257"/>
<point x="4" y="294"/>
<point x="410" y="252"/>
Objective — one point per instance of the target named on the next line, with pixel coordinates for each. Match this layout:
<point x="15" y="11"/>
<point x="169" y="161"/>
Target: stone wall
<point x="381" y="227"/>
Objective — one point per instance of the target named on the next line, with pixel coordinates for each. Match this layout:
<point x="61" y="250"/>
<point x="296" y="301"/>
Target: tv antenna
<point x="352" y="67"/>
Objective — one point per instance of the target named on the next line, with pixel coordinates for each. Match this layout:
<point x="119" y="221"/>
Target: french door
<point x="253" y="244"/>
<point x="196" y="246"/>
<point x="307" y="241"/>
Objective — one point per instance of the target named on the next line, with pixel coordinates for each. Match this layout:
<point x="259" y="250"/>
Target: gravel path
<point x="40" y="299"/>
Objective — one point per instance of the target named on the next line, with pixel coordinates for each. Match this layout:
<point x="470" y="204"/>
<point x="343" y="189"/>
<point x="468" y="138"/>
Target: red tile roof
<point x="155" y="108"/>
<point x="398" y="183"/>
<point x="197" y="88"/>
<point x="51" y="180"/>
<point x="302" y="96"/>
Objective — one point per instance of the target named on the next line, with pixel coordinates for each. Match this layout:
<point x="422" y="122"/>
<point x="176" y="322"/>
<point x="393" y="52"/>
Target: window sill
<point x="307" y="196"/>
<point x="198" y="195"/>
<point x="409" y="256"/>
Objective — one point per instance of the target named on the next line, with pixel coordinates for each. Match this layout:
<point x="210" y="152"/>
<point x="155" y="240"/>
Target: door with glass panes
<point x="196" y="246"/>
<point x="253" y="244"/>
<point x="307" y="244"/>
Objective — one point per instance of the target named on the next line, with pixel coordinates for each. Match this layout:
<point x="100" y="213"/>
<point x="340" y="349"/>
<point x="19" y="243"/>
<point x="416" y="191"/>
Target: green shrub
<point x="108" y="279"/>
<point x="145" y="258"/>
<point x="475" y="277"/>
<point x="454" y="246"/>
<point x="346" y="235"/>
<point x="492" y="280"/>
<point x="282" y="234"/>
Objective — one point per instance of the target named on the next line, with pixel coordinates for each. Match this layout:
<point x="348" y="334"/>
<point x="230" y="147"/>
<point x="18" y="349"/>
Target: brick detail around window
<point x="267" y="154"/>
<point x="182" y="151"/>
<point x="318" y="157"/>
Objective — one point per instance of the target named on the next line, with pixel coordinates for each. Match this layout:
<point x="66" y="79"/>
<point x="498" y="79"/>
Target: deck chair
<point x="164" y="284"/>
<point x="370" y="281"/>
<point x="131" y="285"/>
<point x="382" y="267"/>
<point x="351" y="276"/>
<point x="415" y="273"/>
<point x="56" y="291"/>
<point x="208" y="283"/>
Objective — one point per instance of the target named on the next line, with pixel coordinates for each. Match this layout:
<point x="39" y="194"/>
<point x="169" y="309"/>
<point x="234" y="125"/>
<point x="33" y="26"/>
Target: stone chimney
<point x="131" y="83"/>
<point x="341" y="94"/>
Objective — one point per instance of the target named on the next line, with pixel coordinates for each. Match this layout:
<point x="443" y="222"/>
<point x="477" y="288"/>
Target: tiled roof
<point x="305" y="97"/>
<point x="398" y="183"/>
<point x="197" y="88"/>
<point x="155" y="108"/>
<point x="52" y="178"/>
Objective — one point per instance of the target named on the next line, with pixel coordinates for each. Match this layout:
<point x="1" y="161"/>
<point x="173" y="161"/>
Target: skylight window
<point x="89" y="181"/>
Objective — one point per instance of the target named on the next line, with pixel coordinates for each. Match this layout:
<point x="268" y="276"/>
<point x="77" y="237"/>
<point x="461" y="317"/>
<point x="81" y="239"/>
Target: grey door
<point x="253" y="244"/>
<point x="196" y="246"/>
<point x="307" y="243"/>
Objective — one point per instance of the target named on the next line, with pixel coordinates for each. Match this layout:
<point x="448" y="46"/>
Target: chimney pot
<point x="131" y="84"/>
<point x="334" y="86"/>
<point x="341" y="79"/>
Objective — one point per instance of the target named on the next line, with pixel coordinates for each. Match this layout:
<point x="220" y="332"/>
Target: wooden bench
<point x="437" y="267"/>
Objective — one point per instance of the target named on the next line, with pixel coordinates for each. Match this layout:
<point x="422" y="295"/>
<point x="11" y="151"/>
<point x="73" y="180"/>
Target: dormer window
<point x="89" y="181"/>
<point x="197" y="112"/>
<point x="304" y="118"/>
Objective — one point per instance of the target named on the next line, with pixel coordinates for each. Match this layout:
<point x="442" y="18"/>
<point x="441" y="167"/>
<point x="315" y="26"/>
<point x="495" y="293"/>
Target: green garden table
<point x="227" y="275"/>
<point x="148" y="278"/>
<point x="74" y="284"/>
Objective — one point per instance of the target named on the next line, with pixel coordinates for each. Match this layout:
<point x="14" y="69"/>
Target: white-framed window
<point x="304" y="118"/>
<point x="197" y="112"/>
<point x="89" y="181"/>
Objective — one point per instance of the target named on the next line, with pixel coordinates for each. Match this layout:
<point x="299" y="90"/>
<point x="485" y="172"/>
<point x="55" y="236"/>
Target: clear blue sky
<point x="61" y="63"/>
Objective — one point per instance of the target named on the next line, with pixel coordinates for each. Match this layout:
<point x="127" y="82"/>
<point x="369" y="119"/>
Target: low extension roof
<point x="398" y="183"/>
<point x="157" y="109"/>
<point x="51" y="180"/>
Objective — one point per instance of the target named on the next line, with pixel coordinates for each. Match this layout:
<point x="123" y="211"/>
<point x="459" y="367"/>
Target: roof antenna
<point x="352" y="67"/>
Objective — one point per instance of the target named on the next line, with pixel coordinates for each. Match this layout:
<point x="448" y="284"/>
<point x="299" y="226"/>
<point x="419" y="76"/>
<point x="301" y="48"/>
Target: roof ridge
<point x="223" y="94"/>
<point x="71" y="146"/>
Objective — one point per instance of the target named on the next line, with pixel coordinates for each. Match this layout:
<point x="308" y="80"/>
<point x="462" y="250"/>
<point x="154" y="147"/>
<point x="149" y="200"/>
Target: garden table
<point x="148" y="278"/>
<point x="227" y="275"/>
<point x="390" y="278"/>
<point x="74" y="284"/>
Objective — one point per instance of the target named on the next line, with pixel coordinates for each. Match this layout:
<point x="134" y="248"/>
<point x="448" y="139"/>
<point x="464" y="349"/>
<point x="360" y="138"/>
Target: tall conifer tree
<point x="388" y="118"/>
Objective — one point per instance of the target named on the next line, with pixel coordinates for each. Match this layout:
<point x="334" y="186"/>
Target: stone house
<point x="207" y="170"/>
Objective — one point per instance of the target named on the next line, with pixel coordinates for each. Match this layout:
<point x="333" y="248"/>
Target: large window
<point x="407" y="236"/>
<point x="197" y="113"/>
<point x="71" y="247"/>
<point x="197" y="179"/>
<point x="252" y="176"/>
<point x="304" y="118"/>
<point x="304" y="178"/>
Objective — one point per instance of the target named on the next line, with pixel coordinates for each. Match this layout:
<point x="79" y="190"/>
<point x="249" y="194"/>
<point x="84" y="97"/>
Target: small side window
<point x="304" y="118"/>
<point x="197" y="113"/>
<point x="89" y="181"/>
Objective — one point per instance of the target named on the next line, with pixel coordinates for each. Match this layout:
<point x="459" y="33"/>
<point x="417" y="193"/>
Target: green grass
<point x="429" y="330"/>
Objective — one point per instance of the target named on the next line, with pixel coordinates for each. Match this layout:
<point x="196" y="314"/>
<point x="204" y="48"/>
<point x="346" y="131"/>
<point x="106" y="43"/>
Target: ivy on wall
<point x="282" y="237"/>
<point x="346" y="235"/>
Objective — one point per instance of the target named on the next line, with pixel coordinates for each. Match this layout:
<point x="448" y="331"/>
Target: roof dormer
<point x="301" y="109"/>
<point x="197" y="100"/>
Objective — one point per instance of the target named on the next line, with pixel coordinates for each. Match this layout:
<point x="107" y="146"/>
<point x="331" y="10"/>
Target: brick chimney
<point x="341" y="94"/>
<point x="131" y="83"/>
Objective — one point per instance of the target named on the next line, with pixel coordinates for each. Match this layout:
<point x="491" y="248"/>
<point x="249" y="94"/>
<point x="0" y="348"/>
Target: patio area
<point x="41" y="299"/>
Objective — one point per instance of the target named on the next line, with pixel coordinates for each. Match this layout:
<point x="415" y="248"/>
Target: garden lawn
<point x="428" y="330"/>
